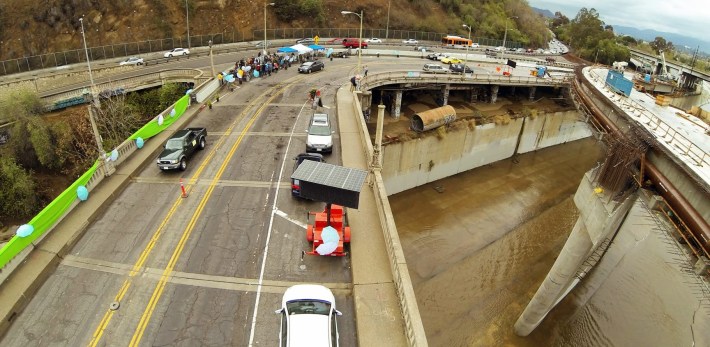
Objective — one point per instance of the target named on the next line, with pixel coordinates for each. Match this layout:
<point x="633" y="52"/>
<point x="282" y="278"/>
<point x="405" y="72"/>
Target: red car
<point x="353" y="43"/>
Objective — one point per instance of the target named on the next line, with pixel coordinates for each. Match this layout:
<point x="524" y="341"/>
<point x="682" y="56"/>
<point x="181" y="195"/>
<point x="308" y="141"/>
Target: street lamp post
<point x="187" y="17"/>
<point x="88" y="62"/>
<point x="387" y="28"/>
<point x="359" y="49"/>
<point x="505" y="35"/>
<point x="94" y="103"/>
<point x="265" y="5"/>
<point x="465" y="60"/>
<point x="211" y="58"/>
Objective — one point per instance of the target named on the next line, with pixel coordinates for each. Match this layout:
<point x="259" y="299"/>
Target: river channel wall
<point x="415" y="162"/>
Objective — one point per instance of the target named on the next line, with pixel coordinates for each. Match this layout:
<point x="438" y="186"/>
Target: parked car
<point x="176" y="52"/>
<point x="458" y="68"/>
<point x="320" y="134"/>
<point x="308" y="317"/>
<point x="295" y="184"/>
<point x="410" y="42"/>
<point x="132" y="61"/>
<point x="435" y="68"/>
<point x="373" y="40"/>
<point x="260" y="44"/>
<point x="311" y="66"/>
<point x="451" y="60"/>
<point x="306" y="41"/>
<point x="180" y="147"/>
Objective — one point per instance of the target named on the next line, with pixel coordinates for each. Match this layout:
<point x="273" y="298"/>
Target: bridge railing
<point x="379" y="79"/>
<point x="414" y="327"/>
<point x="123" y="85"/>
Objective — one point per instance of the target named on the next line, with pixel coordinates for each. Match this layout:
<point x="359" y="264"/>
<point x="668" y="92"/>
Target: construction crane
<point x="664" y="75"/>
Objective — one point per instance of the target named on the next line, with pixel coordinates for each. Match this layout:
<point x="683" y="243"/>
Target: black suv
<point x="459" y="68"/>
<point x="295" y="184"/>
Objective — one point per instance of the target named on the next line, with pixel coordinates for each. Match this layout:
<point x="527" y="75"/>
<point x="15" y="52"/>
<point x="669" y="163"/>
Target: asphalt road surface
<point x="207" y="270"/>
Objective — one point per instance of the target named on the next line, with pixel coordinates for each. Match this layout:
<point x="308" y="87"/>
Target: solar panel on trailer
<point x="330" y="183"/>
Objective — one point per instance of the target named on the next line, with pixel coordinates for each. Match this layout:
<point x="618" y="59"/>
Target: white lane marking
<point x="285" y="216"/>
<point x="268" y="234"/>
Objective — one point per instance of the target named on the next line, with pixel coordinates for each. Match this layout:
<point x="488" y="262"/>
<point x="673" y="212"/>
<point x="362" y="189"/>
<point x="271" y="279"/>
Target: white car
<point x="435" y="68"/>
<point x="132" y="61"/>
<point x="176" y="52"/>
<point x="475" y="45"/>
<point x="373" y="40"/>
<point x="320" y="134"/>
<point x="308" y="317"/>
<point x="410" y="42"/>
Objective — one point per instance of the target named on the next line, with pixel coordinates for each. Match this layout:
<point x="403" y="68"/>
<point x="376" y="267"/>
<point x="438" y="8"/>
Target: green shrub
<point x="17" y="196"/>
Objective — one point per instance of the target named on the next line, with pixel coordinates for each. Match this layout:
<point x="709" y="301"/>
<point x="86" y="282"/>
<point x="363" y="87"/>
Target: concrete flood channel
<point x="479" y="242"/>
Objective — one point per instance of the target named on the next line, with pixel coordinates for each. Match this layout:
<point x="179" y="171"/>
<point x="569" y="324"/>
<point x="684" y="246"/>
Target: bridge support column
<point x="600" y="217"/>
<point x="366" y="102"/>
<point x="494" y="93"/>
<point x="531" y="96"/>
<point x="397" y="104"/>
<point x="473" y="95"/>
<point x="445" y="94"/>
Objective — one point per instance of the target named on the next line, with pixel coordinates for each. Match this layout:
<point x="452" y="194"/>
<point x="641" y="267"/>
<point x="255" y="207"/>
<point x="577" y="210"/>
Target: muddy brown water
<point x="479" y="244"/>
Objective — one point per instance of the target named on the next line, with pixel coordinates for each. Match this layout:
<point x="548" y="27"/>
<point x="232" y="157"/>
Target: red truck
<point x="353" y="43"/>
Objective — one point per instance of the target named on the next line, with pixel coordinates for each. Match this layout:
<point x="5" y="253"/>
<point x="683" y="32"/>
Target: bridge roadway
<point x="138" y="265"/>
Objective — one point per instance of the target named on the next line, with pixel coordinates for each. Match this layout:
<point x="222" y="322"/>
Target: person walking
<point x="365" y="75"/>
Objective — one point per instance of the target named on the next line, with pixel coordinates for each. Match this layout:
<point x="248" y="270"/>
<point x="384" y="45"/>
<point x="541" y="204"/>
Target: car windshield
<point x="174" y="144"/>
<point x="307" y="64"/>
<point x="308" y="307"/>
<point x="319" y="130"/>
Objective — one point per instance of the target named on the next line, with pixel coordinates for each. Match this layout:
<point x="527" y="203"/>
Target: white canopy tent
<point x="302" y="49"/>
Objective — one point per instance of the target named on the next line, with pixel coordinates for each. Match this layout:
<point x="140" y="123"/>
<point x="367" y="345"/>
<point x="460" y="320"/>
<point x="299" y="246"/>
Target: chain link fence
<point x="122" y="50"/>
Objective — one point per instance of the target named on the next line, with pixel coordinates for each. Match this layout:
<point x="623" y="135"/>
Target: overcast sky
<point x="687" y="17"/>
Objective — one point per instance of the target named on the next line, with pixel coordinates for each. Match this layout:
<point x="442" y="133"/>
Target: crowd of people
<point x="263" y="65"/>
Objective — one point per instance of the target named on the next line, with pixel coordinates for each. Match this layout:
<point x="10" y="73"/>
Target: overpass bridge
<point x="379" y="295"/>
<point x="686" y="77"/>
<point x="378" y="291"/>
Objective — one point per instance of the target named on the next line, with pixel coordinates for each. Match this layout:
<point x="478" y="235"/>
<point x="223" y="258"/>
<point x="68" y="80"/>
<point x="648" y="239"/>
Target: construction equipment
<point x="330" y="232"/>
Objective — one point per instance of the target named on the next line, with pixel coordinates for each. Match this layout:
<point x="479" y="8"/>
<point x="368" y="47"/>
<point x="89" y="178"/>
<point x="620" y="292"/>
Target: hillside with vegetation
<point x="29" y="28"/>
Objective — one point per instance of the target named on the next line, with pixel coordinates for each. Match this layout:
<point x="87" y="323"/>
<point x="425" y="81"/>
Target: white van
<point x="435" y="68"/>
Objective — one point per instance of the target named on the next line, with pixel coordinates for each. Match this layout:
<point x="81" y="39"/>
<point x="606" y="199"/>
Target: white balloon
<point x="160" y="120"/>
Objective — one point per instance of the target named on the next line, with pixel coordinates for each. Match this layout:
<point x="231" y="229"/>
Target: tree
<point x="17" y="196"/>
<point x="659" y="44"/>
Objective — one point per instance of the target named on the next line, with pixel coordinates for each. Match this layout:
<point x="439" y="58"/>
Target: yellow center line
<point x="106" y="319"/>
<point x="157" y="293"/>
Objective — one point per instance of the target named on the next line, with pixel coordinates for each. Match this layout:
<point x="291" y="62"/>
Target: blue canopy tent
<point x="286" y="50"/>
<point x="316" y="47"/>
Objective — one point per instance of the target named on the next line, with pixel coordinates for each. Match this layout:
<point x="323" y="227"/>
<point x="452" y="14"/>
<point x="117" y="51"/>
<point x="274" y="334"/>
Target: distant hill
<point x="544" y="13"/>
<point x="649" y="35"/>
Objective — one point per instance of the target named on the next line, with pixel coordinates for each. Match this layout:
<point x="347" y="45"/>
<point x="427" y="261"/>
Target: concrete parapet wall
<point x="349" y="115"/>
<point x="416" y="162"/>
